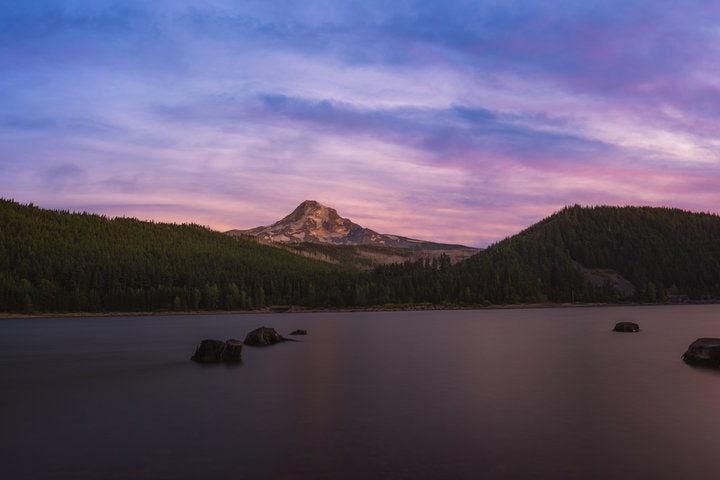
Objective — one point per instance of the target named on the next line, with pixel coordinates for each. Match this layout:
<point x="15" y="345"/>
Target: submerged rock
<point x="626" y="327"/>
<point x="703" y="351"/>
<point x="263" y="336"/>
<point x="233" y="351"/>
<point x="213" y="351"/>
<point x="299" y="332"/>
<point x="209" y="351"/>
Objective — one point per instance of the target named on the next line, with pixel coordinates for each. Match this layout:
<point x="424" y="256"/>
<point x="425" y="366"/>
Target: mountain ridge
<point x="313" y="222"/>
<point x="57" y="261"/>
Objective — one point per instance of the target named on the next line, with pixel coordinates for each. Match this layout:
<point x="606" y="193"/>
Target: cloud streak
<point x="456" y="121"/>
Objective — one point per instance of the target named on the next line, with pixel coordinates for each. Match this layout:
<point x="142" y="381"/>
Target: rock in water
<point x="233" y="351"/>
<point x="263" y="336"/>
<point x="299" y="332"/>
<point x="209" y="351"/>
<point x="213" y="351"/>
<point x="704" y="352"/>
<point x="626" y="327"/>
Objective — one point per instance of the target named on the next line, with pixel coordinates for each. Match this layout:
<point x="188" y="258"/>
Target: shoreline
<point x="296" y="309"/>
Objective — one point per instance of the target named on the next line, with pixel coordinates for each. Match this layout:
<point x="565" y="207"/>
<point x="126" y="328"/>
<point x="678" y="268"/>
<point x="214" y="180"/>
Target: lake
<point x="495" y="394"/>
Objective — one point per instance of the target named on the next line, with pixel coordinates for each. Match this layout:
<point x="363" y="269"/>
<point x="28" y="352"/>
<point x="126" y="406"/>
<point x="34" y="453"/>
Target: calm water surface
<point x="506" y="394"/>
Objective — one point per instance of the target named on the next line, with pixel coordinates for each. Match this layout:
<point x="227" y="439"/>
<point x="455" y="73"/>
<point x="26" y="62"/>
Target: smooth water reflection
<point x="544" y="393"/>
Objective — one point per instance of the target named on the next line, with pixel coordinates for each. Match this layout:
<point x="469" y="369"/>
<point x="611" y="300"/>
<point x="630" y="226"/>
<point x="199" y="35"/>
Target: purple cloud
<point x="489" y="114"/>
<point x="453" y="135"/>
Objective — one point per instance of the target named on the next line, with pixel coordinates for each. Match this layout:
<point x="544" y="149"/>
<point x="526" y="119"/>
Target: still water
<point x="495" y="394"/>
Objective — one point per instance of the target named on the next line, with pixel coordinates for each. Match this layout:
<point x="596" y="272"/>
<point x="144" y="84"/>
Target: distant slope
<point x="595" y="254"/>
<point x="312" y="222"/>
<point x="601" y="253"/>
<point x="676" y="250"/>
<point x="369" y="256"/>
<point x="60" y="261"/>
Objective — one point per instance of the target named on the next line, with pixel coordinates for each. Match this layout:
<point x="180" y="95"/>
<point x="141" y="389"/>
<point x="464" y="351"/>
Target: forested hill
<point x="580" y="254"/>
<point x="60" y="261"/>
<point x="54" y="261"/>
<point x="671" y="248"/>
<point x="585" y="253"/>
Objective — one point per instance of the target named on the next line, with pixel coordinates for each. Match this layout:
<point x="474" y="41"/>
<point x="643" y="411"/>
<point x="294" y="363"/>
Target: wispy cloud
<point x="454" y="135"/>
<point x="453" y="121"/>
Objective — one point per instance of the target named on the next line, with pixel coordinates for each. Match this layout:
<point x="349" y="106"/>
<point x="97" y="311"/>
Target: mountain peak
<point x="312" y="208"/>
<point x="313" y="222"/>
<point x="311" y="219"/>
<point x="310" y="204"/>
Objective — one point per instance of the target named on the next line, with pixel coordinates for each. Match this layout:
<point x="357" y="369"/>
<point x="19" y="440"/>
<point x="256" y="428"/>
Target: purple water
<point x="498" y="394"/>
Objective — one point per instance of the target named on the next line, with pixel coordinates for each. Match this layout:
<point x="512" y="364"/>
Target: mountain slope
<point x="312" y="222"/>
<point x="600" y="254"/>
<point x="369" y="256"/>
<point x="675" y="250"/>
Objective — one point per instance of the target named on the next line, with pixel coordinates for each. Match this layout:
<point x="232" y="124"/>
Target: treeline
<point x="662" y="250"/>
<point x="57" y="261"/>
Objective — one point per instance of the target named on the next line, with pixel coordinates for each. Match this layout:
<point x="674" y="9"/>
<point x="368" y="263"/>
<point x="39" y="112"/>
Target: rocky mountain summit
<point x="313" y="222"/>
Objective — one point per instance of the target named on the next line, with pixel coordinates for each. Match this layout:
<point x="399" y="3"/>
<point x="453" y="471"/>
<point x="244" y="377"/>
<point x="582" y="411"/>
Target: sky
<point x="451" y="121"/>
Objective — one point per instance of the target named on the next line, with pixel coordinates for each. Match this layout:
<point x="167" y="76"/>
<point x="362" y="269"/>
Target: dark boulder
<point x="213" y="351"/>
<point x="703" y="352"/>
<point x="209" y="351"/>
<point x="626" y="327"/>
<point x="299" y="332"/>
<point x="263" y="336"/>
<point x="233" y="351"/>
